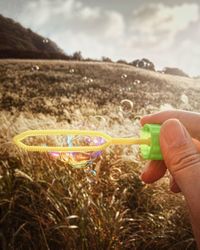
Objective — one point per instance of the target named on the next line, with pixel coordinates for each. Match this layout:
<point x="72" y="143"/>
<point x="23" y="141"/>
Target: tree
<point x="143" y="63"/>
<point x="106" y="59"/>
<point x="77" y="56"/>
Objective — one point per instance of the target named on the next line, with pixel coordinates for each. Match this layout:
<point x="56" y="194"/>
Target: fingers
<point x="160" y="117"/>
<point x="180" y="155"/>
<point x="188" y="119"/>
<point x="197" y="144"/>
<point x="153" y="171"/>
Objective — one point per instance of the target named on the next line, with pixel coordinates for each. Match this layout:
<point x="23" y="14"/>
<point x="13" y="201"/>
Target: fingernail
<point x="174" y="132"/>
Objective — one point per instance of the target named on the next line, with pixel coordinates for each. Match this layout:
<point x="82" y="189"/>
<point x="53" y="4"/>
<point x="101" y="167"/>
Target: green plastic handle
<point x="152" y="151"/>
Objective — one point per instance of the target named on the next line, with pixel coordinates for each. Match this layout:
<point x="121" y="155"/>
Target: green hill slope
<point x="19" y="42"/>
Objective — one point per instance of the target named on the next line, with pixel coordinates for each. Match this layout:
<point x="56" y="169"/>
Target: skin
<point x="180" y="146"/>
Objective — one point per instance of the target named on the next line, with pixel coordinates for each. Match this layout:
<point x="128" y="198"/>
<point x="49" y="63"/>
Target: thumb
<point x="180" y="154"/>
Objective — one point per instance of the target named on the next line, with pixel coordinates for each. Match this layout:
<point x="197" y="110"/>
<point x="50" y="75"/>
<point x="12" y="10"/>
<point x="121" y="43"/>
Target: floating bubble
<point x="136" y="82"/>
<point x="184" y="99"/>
<point x="100" y="119"/>
<point x="71" y="71"/>
<point x="35" y="68"/>
<point x="87" y="80"/>
<point x="90" y="80"/>
<point x="45" y="41"/>
<point x="90" y="170"/>
<point x="89" y="156"/>
<point x="75" y="160"/>
<point x="126" y="106"/>
<point x="93" y="172"/>
<point x="80" y="159"/>
<point x="53" y="154"/>
<point x="124" y="76"/>
<point x="87" y="141"/>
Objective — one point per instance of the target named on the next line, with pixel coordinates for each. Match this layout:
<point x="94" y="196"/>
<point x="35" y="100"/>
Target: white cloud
<point x="188" y="56"/>
<point x="158" y="24"/>
<point x="152" y="31"/>
<point x="115" y="25"/>
<point x="88" y="13"/>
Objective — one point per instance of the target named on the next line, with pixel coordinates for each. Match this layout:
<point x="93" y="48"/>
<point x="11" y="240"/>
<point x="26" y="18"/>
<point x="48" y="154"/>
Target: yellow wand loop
<point x="149" y="141"/>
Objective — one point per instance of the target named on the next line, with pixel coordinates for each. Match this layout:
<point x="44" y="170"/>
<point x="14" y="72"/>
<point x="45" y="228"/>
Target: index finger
<point x="189" y="119"/>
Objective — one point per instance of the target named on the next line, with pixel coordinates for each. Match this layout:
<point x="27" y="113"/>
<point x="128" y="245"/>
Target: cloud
<point x="75" y="26"/>
<point x="158" y="24"/>
<point x="71" y="15"/>
<point x="167" y="35"/>
<point x="162" y="33"/>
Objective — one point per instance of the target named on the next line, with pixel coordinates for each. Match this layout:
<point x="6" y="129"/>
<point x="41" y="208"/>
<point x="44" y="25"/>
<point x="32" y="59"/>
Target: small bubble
<point x="136" y="82"/>
<point x="124" y="76"/>
<point x="87" y="80"/>
<point x="184" y="99"/>
<point x="100" y="119"/>
<point x="35" y="68"/>
<point x="82" y="159"/>
<point x="45" y="41"/>
<point x="93" y="172"/>
<point x="126" y="106"/>
<point x="91" y="80"/>
<point x="71" y="71"/>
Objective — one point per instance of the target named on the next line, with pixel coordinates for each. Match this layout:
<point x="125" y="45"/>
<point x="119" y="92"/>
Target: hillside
<point x="54" y="85"/>
<point x="19" y="42"/>
<point x="46" y="203"/>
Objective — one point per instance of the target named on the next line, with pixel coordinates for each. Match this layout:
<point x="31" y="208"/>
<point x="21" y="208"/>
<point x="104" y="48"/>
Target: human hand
<point x="181" y="156"/>
<point x="182" y="153"/>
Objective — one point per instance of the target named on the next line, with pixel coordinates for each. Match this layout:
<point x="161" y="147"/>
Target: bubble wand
<point x="148" y="141"/>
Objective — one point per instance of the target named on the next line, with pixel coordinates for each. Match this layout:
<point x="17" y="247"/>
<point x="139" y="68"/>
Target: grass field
<point x="47" y="204"/>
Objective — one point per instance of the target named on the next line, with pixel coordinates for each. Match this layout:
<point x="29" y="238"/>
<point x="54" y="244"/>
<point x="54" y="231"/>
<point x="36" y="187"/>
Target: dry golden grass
<point x="45" y="203"/>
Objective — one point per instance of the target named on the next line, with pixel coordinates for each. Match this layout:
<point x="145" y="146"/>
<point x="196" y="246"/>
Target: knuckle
<point x="182" y="160"/>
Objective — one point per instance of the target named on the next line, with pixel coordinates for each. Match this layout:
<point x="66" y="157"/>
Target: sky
<point x="165" y="31"/>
